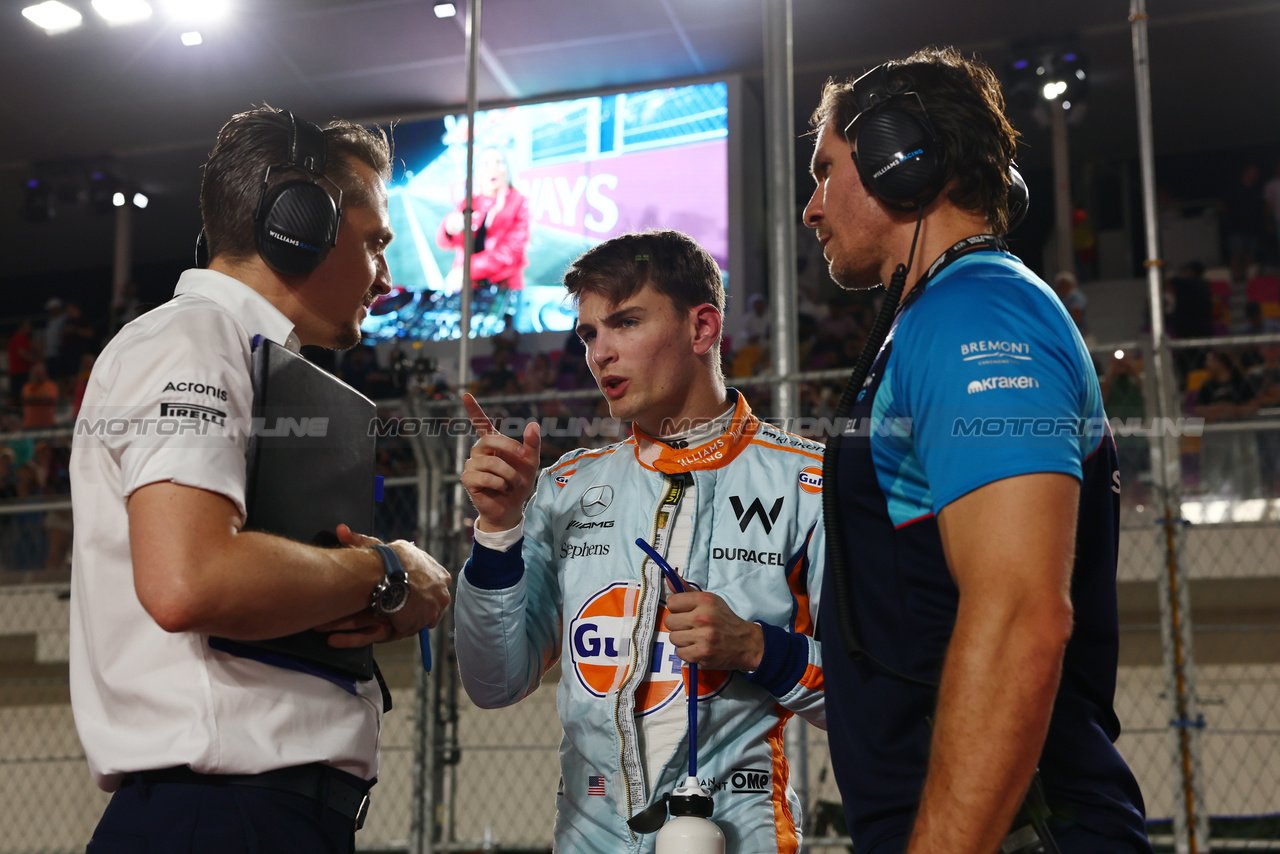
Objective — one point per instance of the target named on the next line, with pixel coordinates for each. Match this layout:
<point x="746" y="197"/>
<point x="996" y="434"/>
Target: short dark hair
<point x="672" y="262"/>
<point x="966" y="108"/>
<point x="259" y="138"/>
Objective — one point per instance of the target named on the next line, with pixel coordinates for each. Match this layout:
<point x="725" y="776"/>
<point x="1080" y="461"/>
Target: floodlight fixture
<point x="139" y="201"/>
<point x="118" y="200"/>
<point x="192" y="39"/>
<point x="445" y="10"/>
<point x="53" y="17"/>
<point x="122" y="11"/>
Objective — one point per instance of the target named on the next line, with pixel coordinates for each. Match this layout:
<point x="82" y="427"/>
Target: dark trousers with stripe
<point x="194" y="818"/>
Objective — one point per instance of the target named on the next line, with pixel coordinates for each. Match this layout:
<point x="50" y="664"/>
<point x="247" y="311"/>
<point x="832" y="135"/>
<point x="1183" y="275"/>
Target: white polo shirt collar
<point x="252" y="309"/>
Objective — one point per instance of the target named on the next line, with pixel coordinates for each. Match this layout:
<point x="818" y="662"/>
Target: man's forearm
<point x="998" y="687"/>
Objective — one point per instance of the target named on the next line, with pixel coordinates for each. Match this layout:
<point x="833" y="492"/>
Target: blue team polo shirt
<point x="983" y="377"/>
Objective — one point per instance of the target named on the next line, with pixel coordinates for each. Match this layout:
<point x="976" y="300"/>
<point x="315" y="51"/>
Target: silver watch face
<point x="390" y="597"/>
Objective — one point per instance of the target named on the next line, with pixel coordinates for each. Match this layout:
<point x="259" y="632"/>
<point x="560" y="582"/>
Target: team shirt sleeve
<point x="994" y="382"/>
<point x="175" y="406"/>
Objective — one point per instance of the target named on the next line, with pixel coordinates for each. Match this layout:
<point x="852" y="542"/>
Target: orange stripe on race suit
<point x="771" y="446"/>
<point x="797" y="581"/>
<point x="581" y="457"/>
<point x="783" y="821"/>
<point x="812" y="678"/>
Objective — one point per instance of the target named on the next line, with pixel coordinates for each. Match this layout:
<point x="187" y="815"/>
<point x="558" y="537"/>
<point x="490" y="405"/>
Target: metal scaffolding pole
<point x="1191" y="826"/>
<point x="781" y="180"/>
<point x="1062" y="206"/>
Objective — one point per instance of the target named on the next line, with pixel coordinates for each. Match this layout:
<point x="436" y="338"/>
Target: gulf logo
<point x="811" y="480"/>
<point x="600" y="637"/>
<point x="563" y="479"/>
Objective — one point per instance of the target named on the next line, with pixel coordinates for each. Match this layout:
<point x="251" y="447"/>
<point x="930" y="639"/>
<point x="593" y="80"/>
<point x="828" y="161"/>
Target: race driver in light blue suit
<point x="732" y="503"/>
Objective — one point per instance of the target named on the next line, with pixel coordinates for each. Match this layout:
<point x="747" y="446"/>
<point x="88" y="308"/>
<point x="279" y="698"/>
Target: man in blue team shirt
<point x="978" y="500"/>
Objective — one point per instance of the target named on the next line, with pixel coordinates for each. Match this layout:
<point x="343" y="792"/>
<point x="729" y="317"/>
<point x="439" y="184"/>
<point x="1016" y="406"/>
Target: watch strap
<point x="391" y="564"/>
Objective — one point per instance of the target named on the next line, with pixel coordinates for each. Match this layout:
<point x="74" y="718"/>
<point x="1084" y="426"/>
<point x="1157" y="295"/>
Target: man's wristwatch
<point x="392" y="592"/>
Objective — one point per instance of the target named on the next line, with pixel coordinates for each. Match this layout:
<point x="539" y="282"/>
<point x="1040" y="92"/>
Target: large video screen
<point x="550" y="181"/>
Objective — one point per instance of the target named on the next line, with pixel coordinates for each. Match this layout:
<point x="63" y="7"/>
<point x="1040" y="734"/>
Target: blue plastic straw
<point x="679" y="587"/>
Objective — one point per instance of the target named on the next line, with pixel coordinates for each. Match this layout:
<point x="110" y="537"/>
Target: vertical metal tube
<point x="1191" y="829"/>
<point x="122" y="267"/>
<point x="464" y="341"/>
<point x="779" y="106"/>
<point x="781" y="146"/>
<point x="1061" y="187"/>
<point x="443" y="669"/>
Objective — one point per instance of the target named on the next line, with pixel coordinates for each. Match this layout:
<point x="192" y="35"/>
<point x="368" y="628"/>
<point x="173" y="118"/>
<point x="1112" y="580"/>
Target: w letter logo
<point x="756" y="509"/>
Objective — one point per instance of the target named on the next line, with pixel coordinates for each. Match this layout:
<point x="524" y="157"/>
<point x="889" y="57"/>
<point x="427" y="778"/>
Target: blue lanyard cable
<point x="679" y="587"/>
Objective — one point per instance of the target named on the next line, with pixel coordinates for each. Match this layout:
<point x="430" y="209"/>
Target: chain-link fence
<point x="458" y="778"/>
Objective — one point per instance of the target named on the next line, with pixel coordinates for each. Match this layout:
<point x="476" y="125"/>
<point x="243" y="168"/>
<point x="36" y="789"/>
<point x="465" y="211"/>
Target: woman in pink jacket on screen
<point x="500" y="223"/>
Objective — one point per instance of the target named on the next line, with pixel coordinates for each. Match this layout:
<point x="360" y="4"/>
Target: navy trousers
<point x="193" y="818"/>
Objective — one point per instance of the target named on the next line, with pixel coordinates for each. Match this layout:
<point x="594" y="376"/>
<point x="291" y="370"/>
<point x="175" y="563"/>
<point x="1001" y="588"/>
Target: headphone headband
<point x="307" y="149"/>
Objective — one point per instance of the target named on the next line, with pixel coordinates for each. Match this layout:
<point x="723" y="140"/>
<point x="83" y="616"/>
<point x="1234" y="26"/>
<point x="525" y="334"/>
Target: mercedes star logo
<point x="597" y="499"/>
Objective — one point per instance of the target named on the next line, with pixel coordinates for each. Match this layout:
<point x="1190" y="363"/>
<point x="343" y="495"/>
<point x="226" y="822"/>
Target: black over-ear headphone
<point x="296" y="222"/>
<point x="898" y="154"/>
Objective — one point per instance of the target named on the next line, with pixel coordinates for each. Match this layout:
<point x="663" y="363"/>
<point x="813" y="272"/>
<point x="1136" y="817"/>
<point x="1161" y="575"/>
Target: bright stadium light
<point x="53" y="17"/>
<point x="197" y="11"/>
<point x="192" y="39"/>
<point x="445" y="10"/>
<point x="118" y="200"/>
<point x="122" y="11"/>
<point x="1119" y="354"/>
<point x="139" y="200"/>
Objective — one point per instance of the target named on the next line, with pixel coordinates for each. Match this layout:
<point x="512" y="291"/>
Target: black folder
<point x="310" y="465"/>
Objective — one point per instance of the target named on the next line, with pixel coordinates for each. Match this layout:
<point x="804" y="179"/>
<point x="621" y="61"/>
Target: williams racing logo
<point x="600" y="651"/>
<point x="756" y="511"/>
<point x="191" y="410"/>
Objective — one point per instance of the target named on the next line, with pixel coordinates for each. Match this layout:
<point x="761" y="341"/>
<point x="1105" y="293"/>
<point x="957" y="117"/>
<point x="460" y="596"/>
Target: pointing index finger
<point x="479" y="421"/>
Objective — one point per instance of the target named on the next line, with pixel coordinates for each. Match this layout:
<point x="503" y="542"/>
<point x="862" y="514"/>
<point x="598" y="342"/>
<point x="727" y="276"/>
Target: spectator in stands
<point x="1190" y="315"/>
<point x="1264" y="382"/>
<point x="1243" y="221"/>
<point x="1271" y="196"/>
<point x="360" y="371"/>
<point x="1068" y="290"/>
<point x="539" y="376"/>
<point x="1254" y="324"/>
<point x="1191" y="312"/>
<point x="499" y="378"/>
<point x="39" y="399"/>
<point x="572" y="371"/>
<point x="22" y="355"/>
<point x="757" y="325"/>
<point x="1084" y="242"/>
<point x="1121" y="388"/>
<point x="1228" y="460"/>
<point x="508" y="339"/>
<point x="82" y="383"/>
<point x="51" y="335"/>
<point x="77" y="338"/>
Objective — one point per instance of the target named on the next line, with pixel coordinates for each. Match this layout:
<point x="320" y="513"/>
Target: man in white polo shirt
<point x="206" y="750"/>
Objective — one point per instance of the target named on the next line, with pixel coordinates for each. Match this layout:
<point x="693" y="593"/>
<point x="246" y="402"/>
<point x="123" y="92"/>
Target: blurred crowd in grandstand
<point x="45" y="363"/>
